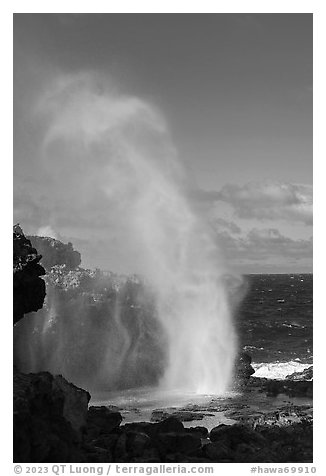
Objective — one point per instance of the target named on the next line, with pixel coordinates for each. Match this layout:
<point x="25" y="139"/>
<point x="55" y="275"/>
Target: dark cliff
<point x="28" y="287"/>
<point x="49" y="412"/>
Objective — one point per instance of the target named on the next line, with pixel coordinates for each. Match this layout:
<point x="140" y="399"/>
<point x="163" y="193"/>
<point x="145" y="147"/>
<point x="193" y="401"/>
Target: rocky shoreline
<point x="53" y="423"/>
<point x="270" y="433"/>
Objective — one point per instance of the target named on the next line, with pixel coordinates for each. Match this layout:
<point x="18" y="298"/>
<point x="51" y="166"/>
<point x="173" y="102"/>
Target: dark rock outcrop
<point x="306" y="374"/>
<point x="50" y="417"/>
<point x="268" y="442"/>
<point x="292" y="388"/>
<point x="28" y="287"/>
<point x="243" y="369"/>
<point x="168" y="441"/>
<point x="181" y="415"/>
<point x="54" y="252"/>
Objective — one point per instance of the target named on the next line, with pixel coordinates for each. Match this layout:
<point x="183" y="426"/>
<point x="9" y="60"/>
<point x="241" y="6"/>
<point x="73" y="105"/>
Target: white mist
<point x="118" y="145"/>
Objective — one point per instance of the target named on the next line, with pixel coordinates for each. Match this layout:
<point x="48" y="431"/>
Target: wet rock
<point x="243" y="369"/>
<point x="169" y="425"/>
<point x="181" y="415"/>
<point x="306" y="374"/>
<point x="292" y="388"/>
<point x="200" y="431"/>
<point x="269" y="439"/>
<point x="283" y="416"/>
<point x="216" y="431"/>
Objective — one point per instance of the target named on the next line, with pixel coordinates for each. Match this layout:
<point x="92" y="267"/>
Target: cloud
<point x="261" y="241"/>
<point x="266" y="200"/>
<point x="47" y="230"/>
<point x="261" y="247"/>
<point x="220" y="225"/>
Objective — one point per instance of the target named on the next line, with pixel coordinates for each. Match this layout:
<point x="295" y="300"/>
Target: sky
<point x="228" y="96"/>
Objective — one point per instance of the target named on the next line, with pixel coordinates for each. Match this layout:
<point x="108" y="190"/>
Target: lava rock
<point x="49" y="419"/>
<point x="141" y="427"/>
<point x="200" y="431"/>
<point x="107" y="442"/>
<point x="28" y="287"/>
<point x="181" y="415"/>
<point x="216" y="452"/>
<point x="75" y="407"/>
<point x="133" y="446"/>
<point x="233" y="435"/>
<point x="169" y="425"/>
<point x="306" y="374"/>
<point x="101" y="420"/>
<point x="176" y="442"/>
<point x="95" y="454"/>
<point x="243" y="369"/>
<point x="54" y="252"/>
<point x="292" y="388"/>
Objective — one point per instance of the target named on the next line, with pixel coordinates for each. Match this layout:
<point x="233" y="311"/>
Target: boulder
<point x="233" y="435"/>
<point x="49" y="419"/>
<point x="132" y="446"/>
<point x="169" y="425"/>
<point x="200" y="431"/>
<point x="216" y="452"/>
<point x="101" y="421"/>
<point x="243" y="369"/>
<point x="183" y="443"/>
<point x="75" y="406"/>
<point x="141" y="427"/>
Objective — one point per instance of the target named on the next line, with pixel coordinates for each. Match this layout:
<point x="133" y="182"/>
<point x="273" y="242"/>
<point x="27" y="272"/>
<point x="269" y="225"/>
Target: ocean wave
<point x="278" y="370"/>
<point x="293" y="325"/>
<point x="252" y="347"/>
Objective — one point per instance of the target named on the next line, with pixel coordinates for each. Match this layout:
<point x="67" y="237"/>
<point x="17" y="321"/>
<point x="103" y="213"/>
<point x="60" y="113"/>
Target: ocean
<point x="275" y="323"/>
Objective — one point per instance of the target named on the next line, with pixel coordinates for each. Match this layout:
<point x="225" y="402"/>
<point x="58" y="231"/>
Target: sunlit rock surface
<point x="54" y="252"/>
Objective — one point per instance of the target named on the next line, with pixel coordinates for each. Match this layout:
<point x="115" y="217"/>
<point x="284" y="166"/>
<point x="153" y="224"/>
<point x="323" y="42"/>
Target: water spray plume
<point x="101" y="143"/>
